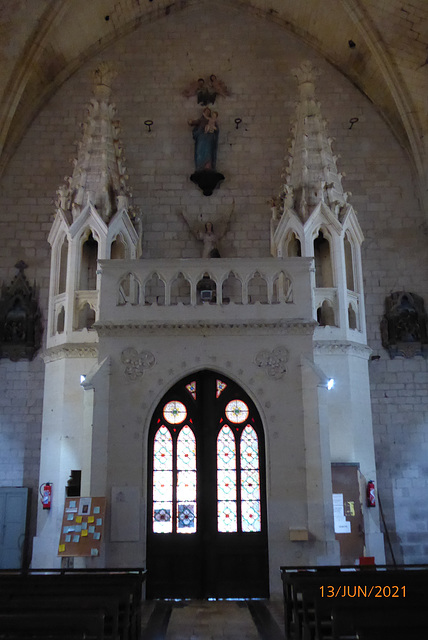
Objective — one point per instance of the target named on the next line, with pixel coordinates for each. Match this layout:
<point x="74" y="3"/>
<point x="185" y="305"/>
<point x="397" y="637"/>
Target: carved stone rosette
<point x="135" y="363"/>
<point x="273" y="362"/>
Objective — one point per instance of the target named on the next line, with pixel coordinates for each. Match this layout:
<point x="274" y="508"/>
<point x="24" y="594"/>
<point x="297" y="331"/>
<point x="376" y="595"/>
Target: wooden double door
<point x="207" y="534"/>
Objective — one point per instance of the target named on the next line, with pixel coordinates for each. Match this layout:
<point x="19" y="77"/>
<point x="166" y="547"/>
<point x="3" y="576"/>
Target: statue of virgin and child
<point x="205" y="132"/>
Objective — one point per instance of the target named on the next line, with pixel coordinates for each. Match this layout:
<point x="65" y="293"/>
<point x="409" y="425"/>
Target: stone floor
<point x="212" y="620"/>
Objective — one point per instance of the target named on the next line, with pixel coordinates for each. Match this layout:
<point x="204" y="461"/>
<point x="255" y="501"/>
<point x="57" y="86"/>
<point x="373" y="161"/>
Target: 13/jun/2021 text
<point x="358" y="591"/>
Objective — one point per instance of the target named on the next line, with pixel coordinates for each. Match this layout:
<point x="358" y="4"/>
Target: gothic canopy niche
<point x="20" y="319"/>
<point x="404" y="327"/>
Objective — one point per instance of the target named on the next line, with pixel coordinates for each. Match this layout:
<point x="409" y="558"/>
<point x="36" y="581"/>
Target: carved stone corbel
<point x="20" y="319"/>
<point x="404" y="327"/>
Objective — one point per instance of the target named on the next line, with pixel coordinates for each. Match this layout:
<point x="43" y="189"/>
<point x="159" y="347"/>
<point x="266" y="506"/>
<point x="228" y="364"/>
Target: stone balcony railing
<point x="198" y="291"/>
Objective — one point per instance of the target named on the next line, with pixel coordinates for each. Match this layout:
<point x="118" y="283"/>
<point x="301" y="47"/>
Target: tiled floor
<point x="212" y="620"/>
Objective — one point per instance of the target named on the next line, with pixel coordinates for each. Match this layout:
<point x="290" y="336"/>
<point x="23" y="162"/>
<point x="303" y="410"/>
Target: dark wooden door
<point x="348" y="517"/>
<point x="207" y="532"/>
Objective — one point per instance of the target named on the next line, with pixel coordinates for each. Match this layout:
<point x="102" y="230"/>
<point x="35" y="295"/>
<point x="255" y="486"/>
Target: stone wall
<point x="255" y="59"/>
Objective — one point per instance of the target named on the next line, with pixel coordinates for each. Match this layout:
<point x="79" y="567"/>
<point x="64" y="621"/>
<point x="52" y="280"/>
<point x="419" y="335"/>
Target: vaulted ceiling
<point x="380" y="45"/>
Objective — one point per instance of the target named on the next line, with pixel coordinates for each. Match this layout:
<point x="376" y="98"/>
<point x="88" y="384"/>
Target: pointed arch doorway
<point x="207" y="530"/>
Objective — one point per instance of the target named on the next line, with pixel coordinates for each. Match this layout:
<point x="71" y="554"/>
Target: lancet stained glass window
<point x="250" y="481"/>
<point x="162" y="481"/>
<point x="233" y="498"/>
<point x="226" y="481"/>
<point x="186" y="481"/>
<point x="174" y="481"/>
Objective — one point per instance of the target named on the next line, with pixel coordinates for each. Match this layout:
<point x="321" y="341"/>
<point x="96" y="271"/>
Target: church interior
<point x="214" y="288"/>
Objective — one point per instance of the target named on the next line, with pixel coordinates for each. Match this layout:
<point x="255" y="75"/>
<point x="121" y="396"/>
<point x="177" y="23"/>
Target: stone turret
<point x="312" y="217"/>
<point x="93" y="220"/>
<point x="312" y="171"/>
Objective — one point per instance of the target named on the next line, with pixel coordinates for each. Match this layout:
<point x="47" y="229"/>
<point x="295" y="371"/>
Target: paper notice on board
<point x="341" y="524"/>
<point x="85" y="506"/>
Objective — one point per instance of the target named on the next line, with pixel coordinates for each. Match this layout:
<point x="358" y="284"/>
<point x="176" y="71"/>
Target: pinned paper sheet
<point x="85" y="506"/>
<point x="91" y="519"/>
<point x="341" y="524"/>
<point x="61" y="548"/>
<point x="342" y="527"/>
<point x="84" y="533"/>
<point x="79" y="519"/>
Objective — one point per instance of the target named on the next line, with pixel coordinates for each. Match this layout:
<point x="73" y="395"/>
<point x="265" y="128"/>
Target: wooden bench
<point x="116" y="593"/>
<point x="311" y="595"/>
<point x="68" y="625"/>
<point x="375" y="621"/>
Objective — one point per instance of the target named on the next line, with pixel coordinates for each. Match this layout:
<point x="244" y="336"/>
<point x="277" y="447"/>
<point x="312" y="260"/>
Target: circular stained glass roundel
<point x="174" y="412"/>
<point x="237" y="411"/>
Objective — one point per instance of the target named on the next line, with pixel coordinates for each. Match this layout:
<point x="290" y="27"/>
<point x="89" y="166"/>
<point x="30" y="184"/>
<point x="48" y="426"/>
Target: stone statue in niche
<point x="206" y="92"/>
<point x="205" y="132"/>
<point x="20" y="319"/>
<point x="404" y="327"/>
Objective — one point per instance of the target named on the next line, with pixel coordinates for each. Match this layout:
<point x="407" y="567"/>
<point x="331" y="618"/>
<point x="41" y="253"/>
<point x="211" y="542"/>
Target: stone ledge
<point x="69" y="351"/>
<point x="296" y="327"/>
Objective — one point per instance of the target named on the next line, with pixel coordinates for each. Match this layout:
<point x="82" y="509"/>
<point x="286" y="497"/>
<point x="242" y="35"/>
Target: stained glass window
<point x="191" y="388"/>
<point x="238" y="475"/>
<point x="162" y="481"/>
<point x="236" y="411"/>
<point x="174" y="412"/>
<point x="186" y="481"/>
<point x="220" y="386"/>
<point x="226" y="481"/>
<point x="250" y="481"/>
<point x="182" y="506"/>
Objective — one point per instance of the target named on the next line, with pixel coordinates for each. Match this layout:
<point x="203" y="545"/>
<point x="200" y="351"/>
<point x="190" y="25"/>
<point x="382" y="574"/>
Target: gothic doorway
<point x="207" y="530"/>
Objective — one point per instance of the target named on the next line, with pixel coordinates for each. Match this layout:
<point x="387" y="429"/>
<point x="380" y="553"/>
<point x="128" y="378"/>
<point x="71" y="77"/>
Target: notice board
<point x="82" y="528"/>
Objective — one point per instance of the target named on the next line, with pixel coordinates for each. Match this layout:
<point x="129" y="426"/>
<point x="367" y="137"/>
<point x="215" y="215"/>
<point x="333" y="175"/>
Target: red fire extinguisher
<point x="371" y="498"/>
<point x="46" y="494"/>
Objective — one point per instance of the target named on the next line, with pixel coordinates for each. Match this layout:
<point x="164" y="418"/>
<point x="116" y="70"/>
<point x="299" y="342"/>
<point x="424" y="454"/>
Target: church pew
<point x="307" y="609"/>
<point x="317" y="610"/>
<point x="30" y="604"/>
<point x="69" y="625"/>
<point x="377" y="621"/>
<point x="119" y="592"/>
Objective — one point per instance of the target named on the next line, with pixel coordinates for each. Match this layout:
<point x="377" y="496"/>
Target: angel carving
<point x="206" y="92"/>
<point x="208" y="236"/>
